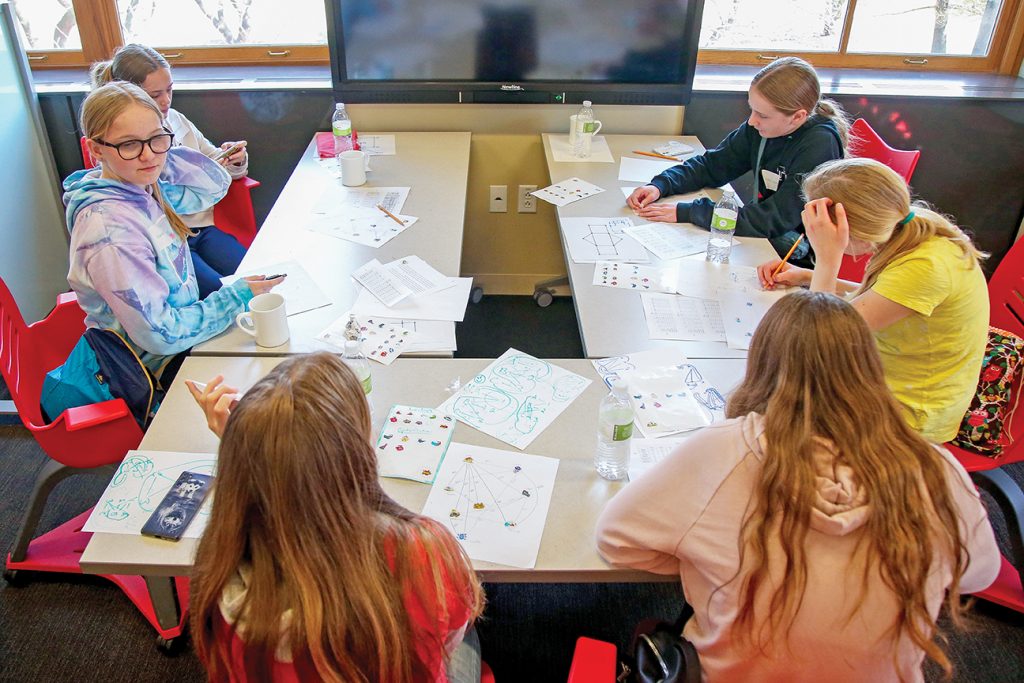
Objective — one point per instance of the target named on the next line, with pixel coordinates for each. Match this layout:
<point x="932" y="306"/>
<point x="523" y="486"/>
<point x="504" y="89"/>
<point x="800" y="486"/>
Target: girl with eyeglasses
<point x="130" y="262"/>
<point x="214" y="252"/>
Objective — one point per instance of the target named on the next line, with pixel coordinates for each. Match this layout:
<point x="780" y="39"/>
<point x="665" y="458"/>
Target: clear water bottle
<point x="341" y="125"/>
<point x="584" y="131"/>
<point x="723" y="227"/>
<point x="355" y="360"/>
<point x="614" y="431"/>
<point x="352" y="331"/>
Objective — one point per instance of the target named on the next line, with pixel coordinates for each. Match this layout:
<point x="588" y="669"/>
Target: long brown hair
<point x="298" y="501"/>
<point x="814" y="373"/>
<point x="99" y="111"/>
<point x="877" y="201"/>
<point x="791" y="84"/>
<point x="131" y="63"/>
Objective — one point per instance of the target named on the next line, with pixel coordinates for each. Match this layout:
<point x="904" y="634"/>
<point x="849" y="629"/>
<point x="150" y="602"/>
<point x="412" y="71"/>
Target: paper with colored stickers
<point x="382" y="340"/>
<point x="567" y="191"/>
<point x="412" y="442"/>
<point x="663" y="402"/>
<point x="635" y="278"/>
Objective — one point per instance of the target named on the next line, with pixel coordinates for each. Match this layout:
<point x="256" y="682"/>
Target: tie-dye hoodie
<point x="131" y="272"/>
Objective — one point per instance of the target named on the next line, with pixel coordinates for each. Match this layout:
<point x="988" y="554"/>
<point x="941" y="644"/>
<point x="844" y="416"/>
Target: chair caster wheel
<point x="543" y="297"/>
<point x="476" y="295"/>
<point x="170" y="646"/>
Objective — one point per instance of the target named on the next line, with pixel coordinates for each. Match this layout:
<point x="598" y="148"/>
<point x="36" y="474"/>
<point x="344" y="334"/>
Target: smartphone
<point x="225" y="153"/>
<point x="179" y="507"/>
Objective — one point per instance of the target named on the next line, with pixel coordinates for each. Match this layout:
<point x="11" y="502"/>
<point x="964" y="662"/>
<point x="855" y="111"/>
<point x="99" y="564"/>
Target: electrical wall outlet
<point x="499" y="199"/>
<point x="527" y="202"/>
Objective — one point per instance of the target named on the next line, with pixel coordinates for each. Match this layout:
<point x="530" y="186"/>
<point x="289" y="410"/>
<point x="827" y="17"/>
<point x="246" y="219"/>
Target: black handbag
<point x="661" y="654"/>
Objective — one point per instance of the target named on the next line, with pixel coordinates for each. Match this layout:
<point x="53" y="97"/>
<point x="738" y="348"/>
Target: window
<point x="960" y="35"/>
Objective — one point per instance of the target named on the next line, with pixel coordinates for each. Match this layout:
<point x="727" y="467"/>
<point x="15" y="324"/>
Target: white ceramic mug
<point x="353" y="167"/>
<point x="266" y="320"/>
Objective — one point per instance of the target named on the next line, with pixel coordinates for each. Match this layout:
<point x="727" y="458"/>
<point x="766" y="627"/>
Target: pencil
<point x="655" y="154"/>
<point x="391" y="215"/>
<point x="788" y="254"/>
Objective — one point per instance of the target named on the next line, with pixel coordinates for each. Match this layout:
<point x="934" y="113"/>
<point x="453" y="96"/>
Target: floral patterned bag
<point x="982" y="428"/>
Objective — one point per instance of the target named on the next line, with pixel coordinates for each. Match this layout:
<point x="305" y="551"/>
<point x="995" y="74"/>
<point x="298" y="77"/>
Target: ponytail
<point x="178" y="225"/>
<point x="101" y="73"/>
<point x="831" y="109"/>
<point x="131" y="63"/>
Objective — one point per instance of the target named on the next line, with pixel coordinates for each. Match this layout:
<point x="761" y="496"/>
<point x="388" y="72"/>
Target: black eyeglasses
<point x="132" y="149"/>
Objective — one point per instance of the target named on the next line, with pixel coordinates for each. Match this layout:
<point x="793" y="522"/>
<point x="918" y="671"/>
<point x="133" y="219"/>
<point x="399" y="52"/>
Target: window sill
<point x="710" y="78"/>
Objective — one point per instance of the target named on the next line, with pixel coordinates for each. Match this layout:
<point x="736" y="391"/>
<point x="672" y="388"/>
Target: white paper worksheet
<point x="418" y="275"/>
<point x="561" y="150"/>
<point x="339" y="199"/>
<point x="646" y="453"/>
<point x="425" y="335"/>
<point x="300" y="291"/>
<point x="141" y="481"/>
<point x="669" y="241"/>
<point x="701" y="279"/>
<point x="370" y="227"/>
<point x="742" y="311"/>
<point x="377" y="145"/>
<point x="636" y="170"/>
<point x="681" y="317"/>
<point x="494" y="502"/>
<point x="379" y="281"/>
<point x="631" y="277"/>
<point x="567" y="191"/>
<point x="593" y="239"/>
<point x="515" y="398"/>
<point x="444" y="304"/>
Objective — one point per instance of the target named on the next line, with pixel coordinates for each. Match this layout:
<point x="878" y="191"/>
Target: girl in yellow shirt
<point x="924" y="294"/>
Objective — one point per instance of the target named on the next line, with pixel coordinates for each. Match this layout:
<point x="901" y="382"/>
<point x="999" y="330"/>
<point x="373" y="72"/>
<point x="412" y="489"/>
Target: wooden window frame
<point x="100" y="29"/>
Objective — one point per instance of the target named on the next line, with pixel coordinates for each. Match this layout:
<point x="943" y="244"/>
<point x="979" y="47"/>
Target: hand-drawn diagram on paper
<point x="602" y="239"/>
<point x="495" y="502"/>
<point x="515" y="398"/>
<point x="351" y="214"/>
<point x="138" y="486"/>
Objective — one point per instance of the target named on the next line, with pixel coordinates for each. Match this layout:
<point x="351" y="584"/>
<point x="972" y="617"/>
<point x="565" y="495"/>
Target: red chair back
<point x="19" y="358"/>
<point x="865" y="143"/>
<point x="87" y="160"/>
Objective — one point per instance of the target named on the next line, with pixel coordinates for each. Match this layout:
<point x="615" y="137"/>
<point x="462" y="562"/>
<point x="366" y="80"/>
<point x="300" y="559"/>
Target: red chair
<point x="85" y="440"/>
<point x="233" y="213"/>
<point x="593" y="661"/>
<point x="1005" y="291"/>
<point x="867" y="144"/>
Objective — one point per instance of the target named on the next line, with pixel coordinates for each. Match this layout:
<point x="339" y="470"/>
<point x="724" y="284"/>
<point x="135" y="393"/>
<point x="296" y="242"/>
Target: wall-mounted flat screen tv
<point x="528" y="51"/>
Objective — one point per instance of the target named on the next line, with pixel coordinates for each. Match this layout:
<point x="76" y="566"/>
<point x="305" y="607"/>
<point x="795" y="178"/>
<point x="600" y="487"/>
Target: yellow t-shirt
<point x="932" y="357"/>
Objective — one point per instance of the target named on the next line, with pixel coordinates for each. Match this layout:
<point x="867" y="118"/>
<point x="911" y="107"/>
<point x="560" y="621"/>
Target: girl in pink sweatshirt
<point x="816" y="535"/>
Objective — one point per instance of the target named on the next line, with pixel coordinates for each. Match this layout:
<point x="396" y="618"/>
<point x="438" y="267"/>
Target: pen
<point x="273" y="277"/>
<point x="391" y="215"/>
<point x="655" y="154"/>
<point x="786" y="257"/>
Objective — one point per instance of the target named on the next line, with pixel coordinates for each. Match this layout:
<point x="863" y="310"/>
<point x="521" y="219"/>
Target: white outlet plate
<point x="527" y="202"/>
<point x="499" y="199"/>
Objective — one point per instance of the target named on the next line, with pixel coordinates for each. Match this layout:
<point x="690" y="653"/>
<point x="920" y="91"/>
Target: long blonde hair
<point x="814" y="373"/>
<point x="298" y="501"/>
<point x="791" y="84"/>
<point x="131" y="63"/>
<point x="99" y="111"/>
<point x="877" y="201"/>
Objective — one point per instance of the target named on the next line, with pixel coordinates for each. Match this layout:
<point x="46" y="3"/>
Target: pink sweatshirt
<point x="684" y="516"/>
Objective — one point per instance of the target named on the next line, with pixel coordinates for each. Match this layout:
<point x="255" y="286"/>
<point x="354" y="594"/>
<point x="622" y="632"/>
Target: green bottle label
<point x="342" y="128"/>
<point x="724" y="221"/>
<point x="622" y="432"/>
<point x="368" y="385"/>
<point x="589" y="127"/>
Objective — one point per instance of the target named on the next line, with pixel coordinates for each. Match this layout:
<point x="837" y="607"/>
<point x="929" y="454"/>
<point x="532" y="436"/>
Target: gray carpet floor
<point x="77" y="628"/>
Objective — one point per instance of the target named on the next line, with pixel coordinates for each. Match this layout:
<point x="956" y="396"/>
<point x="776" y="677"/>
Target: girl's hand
<point x="238" y="157"/>
<point x="260" y="285"/>
<point x="642" y="196"/>
<point x="662" y="213"/>
<point x="789" y="275"/>
<point x="216" y="401"/>
<point x="829" y="240"/>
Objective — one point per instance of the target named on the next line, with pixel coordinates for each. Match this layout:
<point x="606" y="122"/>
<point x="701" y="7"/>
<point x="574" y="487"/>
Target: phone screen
<point x="179" y="507"/>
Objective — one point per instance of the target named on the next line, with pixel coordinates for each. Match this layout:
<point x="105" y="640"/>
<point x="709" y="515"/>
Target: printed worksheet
<point x="369" y="227"/>
<point x="681" y="317"/>
<point x="636" y="170"/>
<point x="515" y="398"/>
<point x="645" y="453"/>
<point x="663" y="402"/>
<point x="381" y="341"/>
<point x="413" y="442"/>
<point x="704" y="280"/>
<point x="601" y="239"/>
<point x="561" y="150"/>
<point x="448" y="303"/>
<point x="629" y="276"/>
<point x="300" y="291"/>
<point x="141" y="481"/>
<point x="381" y="283"/>
<point x="742" y="311"/>
<point x="418" y="275"/>
<point x="377" y="145"/>
<point x="669" y="241"/>
<point x="494" y="502"/>
<point x="567" y="191"/>
<point x="341" y="200"/>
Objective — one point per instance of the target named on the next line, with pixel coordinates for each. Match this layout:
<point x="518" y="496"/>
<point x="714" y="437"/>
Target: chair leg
<point x="1010" y="499"/>
<point x="49" y="476"/>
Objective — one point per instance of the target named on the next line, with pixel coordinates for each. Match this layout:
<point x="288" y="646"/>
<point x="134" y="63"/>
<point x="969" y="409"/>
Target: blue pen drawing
<point x="515" y="397"/>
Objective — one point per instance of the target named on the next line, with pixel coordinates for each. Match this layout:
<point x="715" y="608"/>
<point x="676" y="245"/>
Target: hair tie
<point x="909" y="217"/>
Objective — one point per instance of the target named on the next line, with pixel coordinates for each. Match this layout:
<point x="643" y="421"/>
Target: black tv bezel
<point x="504" y="92"/>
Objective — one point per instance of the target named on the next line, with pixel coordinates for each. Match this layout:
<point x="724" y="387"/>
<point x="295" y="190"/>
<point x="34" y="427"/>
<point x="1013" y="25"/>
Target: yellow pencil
<point x="391" y="215"/>
<point x="655" y="154"/>
<point x="789" y="253"/>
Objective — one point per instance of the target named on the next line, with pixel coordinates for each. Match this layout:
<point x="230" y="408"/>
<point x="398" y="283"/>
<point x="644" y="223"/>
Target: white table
<point x="436" y="168"/>
<point x="612" y="321"/>
<point x="567" y="552"/>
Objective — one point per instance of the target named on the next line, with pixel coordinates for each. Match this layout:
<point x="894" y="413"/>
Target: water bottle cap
<point x="586" y="103"/>
<point x="339" y="105"/>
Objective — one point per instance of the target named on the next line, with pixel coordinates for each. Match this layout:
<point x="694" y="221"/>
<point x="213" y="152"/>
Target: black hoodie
<point x="792" y="156"/>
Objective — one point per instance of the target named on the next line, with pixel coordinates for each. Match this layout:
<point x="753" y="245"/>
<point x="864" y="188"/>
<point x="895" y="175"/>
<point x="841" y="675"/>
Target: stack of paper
<point x="601" y="239"/>
<point x="353" y="214"/>
<point x="410" y="289"/>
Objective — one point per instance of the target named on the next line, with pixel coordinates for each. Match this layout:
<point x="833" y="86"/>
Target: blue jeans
<point x="214" y="255"/>
<point x="464" y="665"/>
